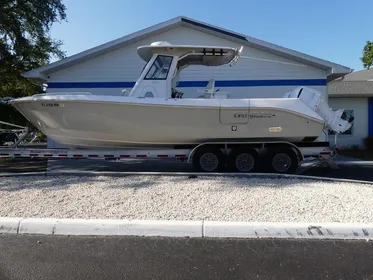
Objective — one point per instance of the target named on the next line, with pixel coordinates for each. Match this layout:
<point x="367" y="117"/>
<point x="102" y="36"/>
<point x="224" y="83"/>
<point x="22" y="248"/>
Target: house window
<point x="346" y="114"/>
<point x="160" y="68"/>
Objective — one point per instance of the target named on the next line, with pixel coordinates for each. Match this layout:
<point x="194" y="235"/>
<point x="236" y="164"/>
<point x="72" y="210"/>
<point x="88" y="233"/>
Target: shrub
<point x="42" y="137"/>
<point x="368" y="142"/>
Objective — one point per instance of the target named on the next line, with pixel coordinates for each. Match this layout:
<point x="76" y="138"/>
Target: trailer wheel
<point x="208" y="160"/>
<point x="283" y="160"/>
<point x="243" y="160"/>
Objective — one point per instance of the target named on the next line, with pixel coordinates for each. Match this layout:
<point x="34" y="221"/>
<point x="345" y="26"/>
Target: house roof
<point x="355" y="84"/>
<point x="362" y="76"/>
<point x="334" y="70"/>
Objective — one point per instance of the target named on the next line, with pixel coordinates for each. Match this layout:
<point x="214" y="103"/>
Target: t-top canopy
<point x="190" y="54"/>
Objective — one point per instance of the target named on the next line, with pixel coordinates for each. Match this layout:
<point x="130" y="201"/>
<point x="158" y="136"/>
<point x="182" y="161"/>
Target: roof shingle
<point x="355" y="84"/>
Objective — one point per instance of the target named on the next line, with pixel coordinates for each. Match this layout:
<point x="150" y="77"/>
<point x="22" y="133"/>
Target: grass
<point x="355" y="153"/>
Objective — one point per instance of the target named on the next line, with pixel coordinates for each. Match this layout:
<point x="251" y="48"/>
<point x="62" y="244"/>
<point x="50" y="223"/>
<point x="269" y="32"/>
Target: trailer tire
<point x="282" y="160"/>
<point x="208" y="159"/>
<point x="243" y="160"/>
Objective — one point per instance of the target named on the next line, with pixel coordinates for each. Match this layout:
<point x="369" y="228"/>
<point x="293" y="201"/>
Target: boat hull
<point x="111" y="124"/>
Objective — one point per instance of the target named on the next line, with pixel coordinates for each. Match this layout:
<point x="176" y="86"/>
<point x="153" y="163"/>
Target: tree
<point x="25" y="44"/>
<point x="367" y="57"/>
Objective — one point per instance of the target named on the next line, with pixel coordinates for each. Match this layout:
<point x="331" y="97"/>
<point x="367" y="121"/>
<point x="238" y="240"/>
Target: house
<point x="265" y="70"/>
<point x="354" y="92"/>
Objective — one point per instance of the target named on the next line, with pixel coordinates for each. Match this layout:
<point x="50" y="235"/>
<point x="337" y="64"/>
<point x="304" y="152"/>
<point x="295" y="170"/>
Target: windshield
<point x="160" y="68"/>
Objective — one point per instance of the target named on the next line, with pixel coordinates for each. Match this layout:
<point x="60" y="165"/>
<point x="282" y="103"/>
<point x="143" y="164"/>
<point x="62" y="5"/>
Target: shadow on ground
<point x="19" y="165"/>
<point x="354" y="172"/>
<point x="345" y="171"/>
<point x="136" y="165"/>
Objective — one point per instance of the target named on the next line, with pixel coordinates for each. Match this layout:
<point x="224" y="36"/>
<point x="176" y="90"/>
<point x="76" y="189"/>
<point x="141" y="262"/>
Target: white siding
<point x="360" y="128"/>
<point x="124" y="65"/>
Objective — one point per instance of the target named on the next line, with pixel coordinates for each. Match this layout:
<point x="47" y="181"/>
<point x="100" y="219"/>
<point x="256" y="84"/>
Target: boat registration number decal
<point x="52" y="104"/>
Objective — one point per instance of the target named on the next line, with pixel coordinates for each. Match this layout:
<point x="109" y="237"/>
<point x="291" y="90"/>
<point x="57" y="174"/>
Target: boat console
<point x="164" y="62"/>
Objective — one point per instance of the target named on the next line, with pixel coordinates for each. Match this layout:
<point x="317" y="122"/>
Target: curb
<point x="109" y="227"/>
<point x="201" y="229"/>
<point x="288" y="230"/>
<point x="124" y="174"/>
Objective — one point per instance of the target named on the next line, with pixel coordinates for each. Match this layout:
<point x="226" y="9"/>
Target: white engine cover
<point x="316" y="102"/>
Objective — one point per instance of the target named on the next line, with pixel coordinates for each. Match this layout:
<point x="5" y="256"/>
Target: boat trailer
<point x="278" y="156"/>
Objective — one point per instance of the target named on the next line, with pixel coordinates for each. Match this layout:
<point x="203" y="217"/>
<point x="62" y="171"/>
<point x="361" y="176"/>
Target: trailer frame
<point x="322" y="152"/>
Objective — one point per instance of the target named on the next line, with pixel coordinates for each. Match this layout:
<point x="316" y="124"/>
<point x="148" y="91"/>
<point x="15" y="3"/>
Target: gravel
<point x="182" y="198"/>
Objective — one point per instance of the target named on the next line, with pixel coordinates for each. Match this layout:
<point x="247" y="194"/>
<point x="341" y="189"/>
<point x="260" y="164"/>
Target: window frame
<point x="168" y="72"/>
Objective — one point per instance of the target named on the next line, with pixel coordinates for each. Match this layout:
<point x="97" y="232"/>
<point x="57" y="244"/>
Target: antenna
<point x="239" y="52"/>
<point x="274" y="61"/>
<point x="236" y="57"/>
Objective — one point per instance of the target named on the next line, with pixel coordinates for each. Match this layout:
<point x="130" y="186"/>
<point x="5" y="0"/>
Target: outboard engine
<point x="335" y="120"/>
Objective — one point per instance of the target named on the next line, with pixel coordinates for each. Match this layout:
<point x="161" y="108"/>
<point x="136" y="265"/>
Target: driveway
<point x="357" y="172"/>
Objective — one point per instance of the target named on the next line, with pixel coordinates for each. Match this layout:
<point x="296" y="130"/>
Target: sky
<point x="335" y="30"/>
